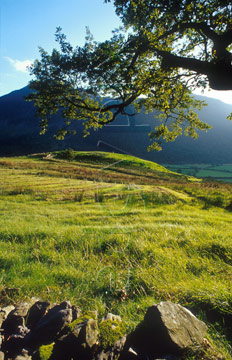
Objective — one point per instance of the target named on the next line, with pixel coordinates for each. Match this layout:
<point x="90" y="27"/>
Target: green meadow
<point x="211" y="172"/>
<point x="115" y="233"/>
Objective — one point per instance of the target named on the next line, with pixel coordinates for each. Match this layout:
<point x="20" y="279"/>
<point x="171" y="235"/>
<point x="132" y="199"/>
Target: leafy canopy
<point x="164" y="50"/>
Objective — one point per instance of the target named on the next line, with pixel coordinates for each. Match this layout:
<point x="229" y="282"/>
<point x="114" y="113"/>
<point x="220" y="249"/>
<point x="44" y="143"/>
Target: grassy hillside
<point x="115" y="233"/>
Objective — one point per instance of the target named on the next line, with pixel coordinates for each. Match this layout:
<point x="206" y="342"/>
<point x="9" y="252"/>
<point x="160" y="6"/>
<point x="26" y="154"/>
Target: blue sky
<point x="28" y="24"/>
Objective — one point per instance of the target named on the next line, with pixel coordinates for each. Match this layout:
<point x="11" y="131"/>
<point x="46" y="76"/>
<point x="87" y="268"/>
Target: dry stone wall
<point x="39" y="331"/>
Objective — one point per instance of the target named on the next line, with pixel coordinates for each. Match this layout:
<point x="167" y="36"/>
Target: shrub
<point x="68" y="154"/>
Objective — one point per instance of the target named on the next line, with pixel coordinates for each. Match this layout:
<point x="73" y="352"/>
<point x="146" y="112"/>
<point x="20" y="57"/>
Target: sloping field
<point x="114" y="236"/>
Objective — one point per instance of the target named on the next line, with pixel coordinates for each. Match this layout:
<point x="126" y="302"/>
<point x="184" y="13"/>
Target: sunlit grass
<point x="118" y="247"/>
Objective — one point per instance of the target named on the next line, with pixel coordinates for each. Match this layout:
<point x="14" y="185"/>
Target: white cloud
<point x="20" y="65"/>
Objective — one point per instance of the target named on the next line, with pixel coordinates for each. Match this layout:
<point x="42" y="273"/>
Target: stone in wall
<point x="167" y="328"/>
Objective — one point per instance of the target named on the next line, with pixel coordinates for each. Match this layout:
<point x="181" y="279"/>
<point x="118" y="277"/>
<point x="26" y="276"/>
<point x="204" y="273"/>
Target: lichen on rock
<point x="83" y="317"/>
<point x="110" y="332"/>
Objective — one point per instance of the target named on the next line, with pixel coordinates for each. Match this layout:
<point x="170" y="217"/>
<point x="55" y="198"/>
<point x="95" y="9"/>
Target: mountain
<point x="19" y="134"/>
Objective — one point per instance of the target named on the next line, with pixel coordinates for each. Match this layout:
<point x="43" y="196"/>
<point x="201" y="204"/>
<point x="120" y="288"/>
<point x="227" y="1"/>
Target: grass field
<point x="114" y="233"/>
<point x="221" y="173"/>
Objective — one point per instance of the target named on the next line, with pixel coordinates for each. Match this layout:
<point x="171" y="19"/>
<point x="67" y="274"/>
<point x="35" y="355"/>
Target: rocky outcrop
<point x="40" y="331"/>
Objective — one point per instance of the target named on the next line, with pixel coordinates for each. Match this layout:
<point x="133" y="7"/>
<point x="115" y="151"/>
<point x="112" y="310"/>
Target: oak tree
<point x="162" y="53"/>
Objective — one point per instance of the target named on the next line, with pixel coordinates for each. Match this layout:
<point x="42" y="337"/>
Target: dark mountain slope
<point x="19" y="134"/>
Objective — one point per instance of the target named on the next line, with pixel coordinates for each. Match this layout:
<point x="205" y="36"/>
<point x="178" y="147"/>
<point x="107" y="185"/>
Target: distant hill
<point x="19" y="134"/>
